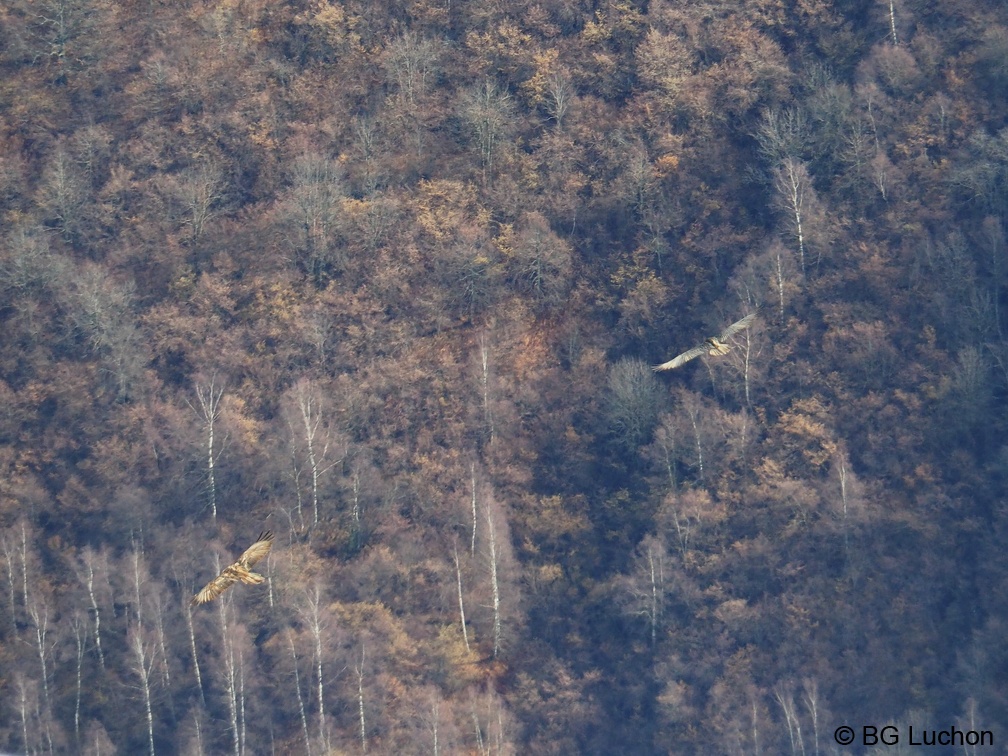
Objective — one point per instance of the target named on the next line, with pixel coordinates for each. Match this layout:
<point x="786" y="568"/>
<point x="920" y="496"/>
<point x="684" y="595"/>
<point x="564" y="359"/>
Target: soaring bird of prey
<point x="714" y="346"/>
<point x="239" y="572"/>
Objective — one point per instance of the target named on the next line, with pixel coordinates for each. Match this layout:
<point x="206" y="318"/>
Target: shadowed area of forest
<point x="389" y="280"/>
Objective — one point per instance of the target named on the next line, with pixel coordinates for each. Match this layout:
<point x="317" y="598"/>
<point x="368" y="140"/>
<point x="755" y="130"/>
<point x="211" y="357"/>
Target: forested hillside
<point x="388" y="279"/>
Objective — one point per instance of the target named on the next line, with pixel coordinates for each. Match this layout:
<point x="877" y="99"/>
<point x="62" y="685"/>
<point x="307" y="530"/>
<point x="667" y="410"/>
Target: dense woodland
<point x="388" y="279"/>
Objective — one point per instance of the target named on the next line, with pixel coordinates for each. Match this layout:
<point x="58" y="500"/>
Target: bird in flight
<point x="714" y="346"/>
<point x="239" y="572"/>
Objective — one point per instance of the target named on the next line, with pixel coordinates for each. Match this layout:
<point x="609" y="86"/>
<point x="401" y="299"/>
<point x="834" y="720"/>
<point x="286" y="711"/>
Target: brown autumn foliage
<point x="387" y="280"/>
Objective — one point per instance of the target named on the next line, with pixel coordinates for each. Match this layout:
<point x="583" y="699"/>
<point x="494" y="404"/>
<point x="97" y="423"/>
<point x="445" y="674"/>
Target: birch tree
<point x="493" y="559"/>
<point x="642" y="593"/>
<point x="9" y="547"/>
<point x="38" y="613"/>
<point x="232" y="669"/>
<point x="359" y="669"/>
<point x="693" y="406"/>
<point x="314" y="615"/>
<point x="793" y="190"/>
<point x="484" y="384"/>
<point x="786" y="700"/>
<point x="143" y="658"/>
<point x="297" y="688"/>
<point x="192" y="646"/>
<point x="784" y="275"/>
<point x="746" y="349"/>
<point x="79" y="626"/>
<point x="27" y="703"/>
<point x="810" y="697"/>
<point x="92" y="571"/>
<point x="461" y="602"/>
<point x="209" y="410"/>
<point x="491" y="723"/>
<point x="315" y="439"/>
<point x="500" y="564"/>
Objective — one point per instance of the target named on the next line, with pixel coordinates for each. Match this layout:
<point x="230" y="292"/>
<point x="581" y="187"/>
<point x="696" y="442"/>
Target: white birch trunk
<point x="462" y="619"/>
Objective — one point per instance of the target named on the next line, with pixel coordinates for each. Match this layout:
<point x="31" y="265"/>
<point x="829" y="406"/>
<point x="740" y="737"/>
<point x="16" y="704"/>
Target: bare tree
<point x="493" y="559"/>
<point x="643" y="591"/>
<point x="138" y="570"/>
<point x="91" y="150"/>
<point x="198" y="192"/>
<point x="10" y="555"/>
<point x="488" y="417"/>
<point x="158" y="610"/>
<point x="411" y="63"/>
<point x="488" y="111"/>
<point x="793" y="187"/>
<point x="315" y="617"/>
<point x="633" y="402"/>
<point x="38" y="612"/>
<point x="559" y="95"/>
<point x="362" y="476"/>
<point x="192" y="647"/>
<point x="366" y="141"/>
<point x="462" y="617"/>
<point x="685" y="514"/>
<point x="101" y="310"/>
<point x="694" y="408"/>
<point x="316" y="439"/>
<point x="30" y="266"/>
<point x="541" y="262"/>
<point x="500" y="565"/>
<point x="209" y="411"/>
<point x="360" y="701"/>
<point x="433" y="722"/>
<point x="746" y="349"/>
<point x="143" y="667"/>
<point x="993" y="240"/>
<point x="754" y="718"/>
<point x="666" y="448"/>
<point x="232" y="669"/>
<point x="66" y="32"/>
<point x="27" y="699"/>
<point x="848" y="499"/>
<point x="64" y="196"/>
<point x="475" y="518"/>
<point x="314" y="201"/>
<point x="783" y="134"/>
<point x="791" y="718"/>
<point x="24" y="562"/>
<point x="93" y="573"/>
<point x="491" y="738"/>
<point x="810" y="690"/>
<point x="300" y="698"/>
<point x="783" y="274"/>
<point x="78" y="623"/>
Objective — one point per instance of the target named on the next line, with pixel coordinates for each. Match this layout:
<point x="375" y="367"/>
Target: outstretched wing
<point x="736" y="327"/>
<point x="683" y="358"/>
<point x="216" y="587"/>
<point x="257" y="550"/>
<point x="239" y="571"/>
